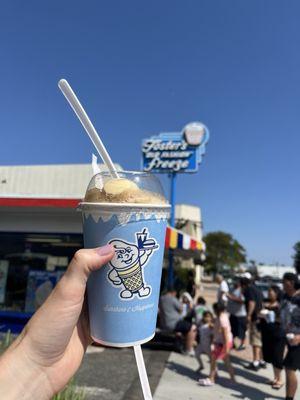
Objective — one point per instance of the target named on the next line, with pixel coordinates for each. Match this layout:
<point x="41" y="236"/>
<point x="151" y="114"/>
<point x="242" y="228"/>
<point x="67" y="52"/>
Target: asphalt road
<point x="111" y="374"/>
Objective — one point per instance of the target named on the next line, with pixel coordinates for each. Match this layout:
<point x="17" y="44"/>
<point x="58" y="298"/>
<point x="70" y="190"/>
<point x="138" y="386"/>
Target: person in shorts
<point x="238" y="316"/>
<point x="171" y="320"/>
<point x="290" y="319"/>
<point x="253" y="301"/>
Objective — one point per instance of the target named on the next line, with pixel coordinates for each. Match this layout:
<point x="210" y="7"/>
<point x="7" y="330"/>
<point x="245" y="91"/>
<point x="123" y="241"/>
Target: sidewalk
<point x="179" y="381"/>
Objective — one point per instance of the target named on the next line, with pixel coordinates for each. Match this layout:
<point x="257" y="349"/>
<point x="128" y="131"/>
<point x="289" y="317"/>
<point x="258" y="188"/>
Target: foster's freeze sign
<point x="175" y="152"/>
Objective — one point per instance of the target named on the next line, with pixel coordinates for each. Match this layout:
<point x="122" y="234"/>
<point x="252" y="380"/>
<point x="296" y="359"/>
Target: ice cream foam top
<point x="121" y="190"/>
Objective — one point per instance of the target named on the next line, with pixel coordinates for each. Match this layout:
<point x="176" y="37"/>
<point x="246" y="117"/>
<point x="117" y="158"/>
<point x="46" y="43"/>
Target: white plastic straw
<point x="142" y="372"/>
<point x="87" y="124"/>
<point x="91" y="131"/>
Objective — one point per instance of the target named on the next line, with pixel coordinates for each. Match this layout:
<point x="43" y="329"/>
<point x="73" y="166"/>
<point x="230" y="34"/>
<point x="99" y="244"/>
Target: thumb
<point x="83" y="263"/>
<point x="71" y="287"/>
<point x="54" y="321"/>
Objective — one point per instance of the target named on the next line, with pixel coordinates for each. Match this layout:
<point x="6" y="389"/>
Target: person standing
<point x="253" y="302"/>
<point x="238" y="315"/>
<point x="223" y="290"/>
<point x="290" y="318"/>
<point x="205" y="331"/>
<point x="273" y="337"/>
<point x="222" y="344"/>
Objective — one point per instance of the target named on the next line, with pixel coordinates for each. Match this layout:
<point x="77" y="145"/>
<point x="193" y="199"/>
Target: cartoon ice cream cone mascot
<point x="127" y="264"/>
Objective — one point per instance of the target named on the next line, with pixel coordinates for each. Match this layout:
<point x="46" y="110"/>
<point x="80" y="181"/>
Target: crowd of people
<point x="272" y="325"/>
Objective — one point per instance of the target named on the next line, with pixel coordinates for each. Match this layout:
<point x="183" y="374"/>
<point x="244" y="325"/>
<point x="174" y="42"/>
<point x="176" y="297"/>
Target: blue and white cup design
<point x="123" y="295"/>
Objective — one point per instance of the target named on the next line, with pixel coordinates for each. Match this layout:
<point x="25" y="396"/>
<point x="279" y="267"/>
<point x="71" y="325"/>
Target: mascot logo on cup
<point x="128" y="263"/>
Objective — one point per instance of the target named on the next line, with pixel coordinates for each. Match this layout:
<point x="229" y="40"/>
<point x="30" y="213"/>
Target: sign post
<point x="172" y="197"/>
<point x="172" y="223"/>
<point x="173" y="153"/>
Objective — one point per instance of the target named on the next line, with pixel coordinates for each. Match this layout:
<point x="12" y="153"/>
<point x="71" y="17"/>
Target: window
<point x="30" y="265"/>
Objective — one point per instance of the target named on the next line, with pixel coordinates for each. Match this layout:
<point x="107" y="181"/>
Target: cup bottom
<point x="111" y="344"/>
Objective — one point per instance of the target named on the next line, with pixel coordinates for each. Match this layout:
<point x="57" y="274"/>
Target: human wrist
<point x="21" y="377"/>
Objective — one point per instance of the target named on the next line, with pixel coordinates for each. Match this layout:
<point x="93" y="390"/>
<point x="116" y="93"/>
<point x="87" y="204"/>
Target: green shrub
<point x="5" y="341"/>
<point x="71" y="392"/>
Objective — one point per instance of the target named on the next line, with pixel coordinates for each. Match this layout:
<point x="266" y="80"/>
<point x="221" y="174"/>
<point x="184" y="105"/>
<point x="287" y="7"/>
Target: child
<point x="222" y="344"/>
<point x="205" y="335"/>
<point x="200" y="308"/>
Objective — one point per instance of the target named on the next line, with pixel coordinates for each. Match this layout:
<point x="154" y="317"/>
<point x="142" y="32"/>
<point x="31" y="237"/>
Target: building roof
<point x="64" y="181"/>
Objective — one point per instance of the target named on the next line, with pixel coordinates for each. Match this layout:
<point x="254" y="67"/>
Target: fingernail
<point x="105" y="250"/>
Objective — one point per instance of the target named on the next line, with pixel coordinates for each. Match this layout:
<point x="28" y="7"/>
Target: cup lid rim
<point x="127" y="205"/>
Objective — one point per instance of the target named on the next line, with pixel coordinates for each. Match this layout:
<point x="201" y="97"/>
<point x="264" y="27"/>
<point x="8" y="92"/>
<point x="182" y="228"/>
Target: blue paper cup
<point x="123" y="295"/>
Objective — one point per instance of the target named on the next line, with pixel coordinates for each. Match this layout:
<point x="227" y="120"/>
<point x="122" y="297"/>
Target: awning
<point x="182" y="243"/>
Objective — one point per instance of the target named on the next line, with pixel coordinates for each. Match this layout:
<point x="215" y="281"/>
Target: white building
<point x="43" y="198"/>
<point x="40" y="230"/>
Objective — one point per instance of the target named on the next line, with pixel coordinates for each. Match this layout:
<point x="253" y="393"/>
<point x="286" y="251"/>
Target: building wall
<point x="188" y="219"/>
<point x="43" y="220"/>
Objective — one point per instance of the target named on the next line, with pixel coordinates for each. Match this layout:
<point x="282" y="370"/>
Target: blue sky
<point x="145" y="67"/>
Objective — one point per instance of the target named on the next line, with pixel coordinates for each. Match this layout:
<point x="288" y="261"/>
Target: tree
<point x="223" y="249"/>
<point x="296" y="257"/>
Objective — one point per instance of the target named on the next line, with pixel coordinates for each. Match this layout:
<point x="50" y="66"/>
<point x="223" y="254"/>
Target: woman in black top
<point x="273" y="336"/>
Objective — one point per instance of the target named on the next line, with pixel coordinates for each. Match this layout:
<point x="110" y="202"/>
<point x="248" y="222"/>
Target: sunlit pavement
<point x="179" y="381"/>
<point x="111" y="374"/>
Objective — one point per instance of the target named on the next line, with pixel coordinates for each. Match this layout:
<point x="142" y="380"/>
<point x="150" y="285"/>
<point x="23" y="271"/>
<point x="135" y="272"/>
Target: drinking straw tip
<point x="86" y="123"/>
<point x="62" y="82"/>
